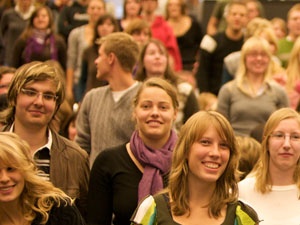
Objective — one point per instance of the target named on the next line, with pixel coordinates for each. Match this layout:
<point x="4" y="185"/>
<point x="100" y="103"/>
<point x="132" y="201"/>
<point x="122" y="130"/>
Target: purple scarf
<point x="156" y="162"/>
<point x="38" y="42"/>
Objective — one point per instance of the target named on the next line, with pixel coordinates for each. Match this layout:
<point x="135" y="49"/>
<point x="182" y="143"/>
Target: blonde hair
<point x="293" y="67"/>
<point x="205" y="100"/>
<point x="249" y="151"/>
<point x="251" y="44"/>
<point x="261" y="170"/>
<point x="226" y="187"/>
<point x="123" y="46"/>
<point x="38" y="196"/>
<point x="159" y="83"/>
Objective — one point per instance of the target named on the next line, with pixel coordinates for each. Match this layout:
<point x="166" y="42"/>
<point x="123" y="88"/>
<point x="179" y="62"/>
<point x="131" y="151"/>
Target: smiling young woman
<point x="123" y="175"/>
<point x="204" y="167"/>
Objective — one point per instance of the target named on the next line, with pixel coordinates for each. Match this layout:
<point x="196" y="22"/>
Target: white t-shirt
<point x="281" y="206"/>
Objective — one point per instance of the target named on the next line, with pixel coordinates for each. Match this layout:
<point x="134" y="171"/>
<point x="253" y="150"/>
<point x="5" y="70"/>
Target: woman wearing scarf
<point x="39" y="41"/>
<point x="124" y="175"/>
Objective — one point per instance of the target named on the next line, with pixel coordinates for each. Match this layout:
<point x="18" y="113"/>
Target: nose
<point x="214" y="152"/>
<point x="287" y="142"/>
<point x="3" y="176"/>
<point x="154" y="111"/>
<point x="39" y="99"/>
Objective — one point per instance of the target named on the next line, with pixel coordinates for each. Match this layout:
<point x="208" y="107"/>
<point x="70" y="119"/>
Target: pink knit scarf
<point x="156" y="163"/>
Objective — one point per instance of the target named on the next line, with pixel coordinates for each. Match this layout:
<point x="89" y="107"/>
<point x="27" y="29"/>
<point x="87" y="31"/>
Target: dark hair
<point x="100" y="21"/>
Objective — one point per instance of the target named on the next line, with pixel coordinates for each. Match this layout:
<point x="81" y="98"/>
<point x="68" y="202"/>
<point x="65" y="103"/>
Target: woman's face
<point x="284" y="146"/>
<point x="174" y="8"/>
<point x="208" y="157"/>
<point x="132" y="7"/>
<point x="154" y="115"/>
<point x="257" y="61"/>
<point x="11" y="184"/>
<point x="106" y="28"/>
<point x="155" y="61"/>
<point x="42" y="20"/>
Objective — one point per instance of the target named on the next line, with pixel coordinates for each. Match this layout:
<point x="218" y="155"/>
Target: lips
<point x="211" y="165"/>
<point x="154" y="122"/>
<point x="6" y="189"/>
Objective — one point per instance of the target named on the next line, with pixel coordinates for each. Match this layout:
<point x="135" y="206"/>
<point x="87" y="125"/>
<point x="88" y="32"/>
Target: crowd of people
<point x="148" y="119"/>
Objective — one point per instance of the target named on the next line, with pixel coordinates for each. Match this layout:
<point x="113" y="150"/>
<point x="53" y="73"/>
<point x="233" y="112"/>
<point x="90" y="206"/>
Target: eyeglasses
<point x="34" y="94"/>
<point x="280" y="136"/>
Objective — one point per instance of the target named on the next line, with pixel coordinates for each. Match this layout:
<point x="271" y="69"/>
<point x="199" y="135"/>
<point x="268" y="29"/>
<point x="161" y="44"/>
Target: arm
<point x="83" y="76"/>
<point x="72" y="53"/>
<point x="212" y="25"/>
<point x="173" y="49"/>
<point x="207" y="48"/>
<point x="224" y="104"/>
<point x="61" y="51"/>
<point x="83" y="137"/>
<point x="100" y="196"/>
<point x="83" y="171"/>
<point x="64" y="26"/>
<point x="17" y="52"/>
<point x="65" y="214"/>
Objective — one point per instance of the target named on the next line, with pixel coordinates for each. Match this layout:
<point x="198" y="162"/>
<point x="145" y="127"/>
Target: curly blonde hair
<point x="38" y="196"/>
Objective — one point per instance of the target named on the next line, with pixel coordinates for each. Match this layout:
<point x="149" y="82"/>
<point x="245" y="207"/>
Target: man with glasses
<point x="34" y="96"/>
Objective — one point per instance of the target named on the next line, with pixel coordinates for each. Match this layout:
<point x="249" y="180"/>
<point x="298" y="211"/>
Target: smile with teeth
<point x="211" y="165"/>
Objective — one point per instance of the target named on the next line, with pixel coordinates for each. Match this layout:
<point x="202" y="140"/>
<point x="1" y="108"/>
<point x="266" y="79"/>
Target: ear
<point x="175" y="114"/>
<point x="111" y="58"/>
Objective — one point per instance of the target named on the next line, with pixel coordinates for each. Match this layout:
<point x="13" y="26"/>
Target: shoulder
<point x="276" y="87"/>
<point x="247" y="184"/>
<point x="145" y="212"/>
<point x="246" y="214"/>
<point x="64" y="144"/>
<point x="65" y="213"/>
<point x="95" y="93"/>
<point x="112" y="153"/>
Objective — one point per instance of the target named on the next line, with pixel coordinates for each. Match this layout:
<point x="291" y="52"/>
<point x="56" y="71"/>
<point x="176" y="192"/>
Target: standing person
<point x="131" y="11"/>
<point x="105" y="25"/>
<point x="39" y="41"/>
<point x="104" y="118"/>
<point x="252" y="87"/>
<point x="213" y="49"/>
<point x="72" y="16"/>
<point x="202" y="181"/>
<point x="273" y="188"/>
<point x="12" y="24"/>
<point x="25" y="198"/>
<point x="154" y="62"/>
<point x="188" y="32"/>
<point x="123" y="175"/>
<point x="161" y="30"/>
<point x="79" y="39"/>
<point x="34" y="96"/>
<point x="285" y="45"/>
<point x="293" y="76"/>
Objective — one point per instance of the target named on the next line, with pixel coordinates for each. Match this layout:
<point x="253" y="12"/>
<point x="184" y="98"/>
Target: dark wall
<point x="272" y="9"/>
